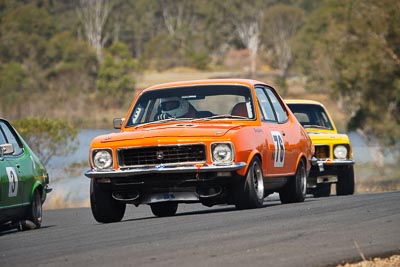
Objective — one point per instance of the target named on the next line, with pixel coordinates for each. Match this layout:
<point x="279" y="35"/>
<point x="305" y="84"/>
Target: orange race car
<point x="217" y="141"/>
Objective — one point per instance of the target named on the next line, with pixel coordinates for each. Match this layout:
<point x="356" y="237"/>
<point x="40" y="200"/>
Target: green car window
<point x="11" y="138"/>
<point x="2" y="138"/>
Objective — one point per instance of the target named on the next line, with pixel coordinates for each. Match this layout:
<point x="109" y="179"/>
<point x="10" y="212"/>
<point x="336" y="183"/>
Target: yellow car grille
<point x="322" y="152"/>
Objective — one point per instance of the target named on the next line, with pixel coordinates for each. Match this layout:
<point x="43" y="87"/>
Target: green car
<point x="23" y="181"/>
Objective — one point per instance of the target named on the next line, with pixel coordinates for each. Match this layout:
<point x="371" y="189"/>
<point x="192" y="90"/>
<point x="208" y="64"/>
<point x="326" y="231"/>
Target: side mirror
<point x="117" y="122"/>
<point x="6" y="149"/>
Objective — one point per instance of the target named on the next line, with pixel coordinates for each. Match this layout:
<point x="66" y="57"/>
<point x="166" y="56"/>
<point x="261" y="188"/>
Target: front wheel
<point x="105" y="209"/>
<point x="295" y="190"/>
<point x="249" y="192"/>
<point x="345" y="184"/>
<point x="322" y="190"/>
<point x="164" y="209"/>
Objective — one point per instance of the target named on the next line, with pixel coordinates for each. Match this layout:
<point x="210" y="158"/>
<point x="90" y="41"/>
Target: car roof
<point x="231" y="81"/>
<point x="302" y="101"/>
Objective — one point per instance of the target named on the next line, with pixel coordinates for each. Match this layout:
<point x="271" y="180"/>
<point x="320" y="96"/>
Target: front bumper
<point x="185" y="184"/>
<point x="329" y="163"/>
<point x="161" y="169"/>
<point x="326" y="170"/>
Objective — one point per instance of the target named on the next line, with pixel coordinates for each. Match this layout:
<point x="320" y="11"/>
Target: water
<point x="71" y="188"/>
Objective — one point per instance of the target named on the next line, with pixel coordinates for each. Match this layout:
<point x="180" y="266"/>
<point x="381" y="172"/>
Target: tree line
<point x="75" y="58"/>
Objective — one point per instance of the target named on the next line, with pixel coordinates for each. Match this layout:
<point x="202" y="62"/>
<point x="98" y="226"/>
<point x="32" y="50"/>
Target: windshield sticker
<point x="136" y="114"/>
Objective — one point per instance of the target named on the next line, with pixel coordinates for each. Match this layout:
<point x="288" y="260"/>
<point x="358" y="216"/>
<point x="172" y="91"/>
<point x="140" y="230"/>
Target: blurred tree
<point x="40" y="63"/>
<point x="351" y="50"/>
<point x="48" y="137"/>
<point x="116" y="74"/>
<point x="23" y="33"/>
<point x="180" y="21"/>
<point x="135" y="23"/>
<point x="13" y="81"/>
<point x="161" y="53"/>
<point x="280" y="25"/>
<point x="93" y="15"/>
<point x="74" y="65"/>
<point x="247" y="18"/>
<point x="181" y="39"/>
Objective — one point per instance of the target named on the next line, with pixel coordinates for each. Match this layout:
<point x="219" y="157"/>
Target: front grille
<point x="322" y="152"/>
<point x="161" y="155"/>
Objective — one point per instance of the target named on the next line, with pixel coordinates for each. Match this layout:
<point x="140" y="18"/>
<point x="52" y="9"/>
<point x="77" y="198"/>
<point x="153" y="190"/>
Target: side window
<point x="2" y="138"/>
<point x="279" y="109"/>
<point x="11" y="138"/>
<point x="143" y="112"/>
<point x="265" y="105"/>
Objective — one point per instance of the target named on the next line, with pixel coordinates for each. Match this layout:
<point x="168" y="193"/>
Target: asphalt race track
<point x="319" y="232"/>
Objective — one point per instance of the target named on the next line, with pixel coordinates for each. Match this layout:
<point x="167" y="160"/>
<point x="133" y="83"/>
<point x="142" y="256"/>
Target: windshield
<point x="194" y="102"/>
<point x="311" y="116"/>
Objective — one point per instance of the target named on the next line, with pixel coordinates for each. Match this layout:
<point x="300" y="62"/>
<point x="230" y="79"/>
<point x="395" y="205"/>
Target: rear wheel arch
<point x="296" y="187"/>
<point x="39" y="187"/>
<point x="33" y="218"/>
<point x="307" y="163"/>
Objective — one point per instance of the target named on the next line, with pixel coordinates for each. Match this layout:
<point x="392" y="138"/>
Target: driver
<point x="175" y="107"/>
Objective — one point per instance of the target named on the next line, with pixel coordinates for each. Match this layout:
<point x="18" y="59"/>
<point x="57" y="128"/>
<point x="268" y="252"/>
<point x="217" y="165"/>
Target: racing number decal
<point x="12" y="182"/>
<point x="279" y="156"/>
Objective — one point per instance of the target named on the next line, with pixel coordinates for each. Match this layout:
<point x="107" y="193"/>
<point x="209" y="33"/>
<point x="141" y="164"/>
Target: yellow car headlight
<point x="340" y="152"/>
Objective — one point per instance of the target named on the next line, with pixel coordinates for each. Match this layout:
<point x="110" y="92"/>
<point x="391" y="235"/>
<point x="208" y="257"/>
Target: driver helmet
<point x="174" y="106"/>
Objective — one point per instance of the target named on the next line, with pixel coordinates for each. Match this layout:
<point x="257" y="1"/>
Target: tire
<point x="345" y="184"/>
<point x="164" y="209"/>
<point x="34" y="216"/>
<point x="105" y="209"/>
<point x="249" y="192"/>
<point x="322" y="190"/>
<point x="295" y="190"/>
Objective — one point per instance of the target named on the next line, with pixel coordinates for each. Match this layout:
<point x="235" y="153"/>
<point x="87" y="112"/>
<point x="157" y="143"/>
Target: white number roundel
<point x="12" y="182"/>
<point x="279" y="157"/>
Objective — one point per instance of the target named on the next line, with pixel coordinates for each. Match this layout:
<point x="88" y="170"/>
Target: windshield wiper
<point x="315" y="126"/>
<point x="162" y="121"/>
<point x="223" y="116"/>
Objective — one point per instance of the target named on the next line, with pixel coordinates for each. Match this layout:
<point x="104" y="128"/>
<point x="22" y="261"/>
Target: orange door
<point x="276" y="154"/>
<point x="278" y="129"/>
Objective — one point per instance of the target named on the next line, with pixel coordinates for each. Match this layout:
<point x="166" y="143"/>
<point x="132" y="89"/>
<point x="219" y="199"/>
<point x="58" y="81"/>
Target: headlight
<point x="222" y="153"/>
<point x="340" y="152"/>
<point x="102" y="159"/>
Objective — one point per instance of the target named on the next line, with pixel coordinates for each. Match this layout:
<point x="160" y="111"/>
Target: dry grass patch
<point x="393" y="261"/>
<point x="369" y="178"/>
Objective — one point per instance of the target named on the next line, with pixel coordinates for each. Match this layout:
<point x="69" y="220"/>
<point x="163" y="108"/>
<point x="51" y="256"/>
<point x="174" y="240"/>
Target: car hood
<point x="170" y="130"/>
<point x="320" y="137"/>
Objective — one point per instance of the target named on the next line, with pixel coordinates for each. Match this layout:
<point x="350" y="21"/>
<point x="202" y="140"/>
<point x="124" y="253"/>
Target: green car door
<point x="11" y="195"/>
<point x="14" y="191"/>
<point x="23" y="179"/>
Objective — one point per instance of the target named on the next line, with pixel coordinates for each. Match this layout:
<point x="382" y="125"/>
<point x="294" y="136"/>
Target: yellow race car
<point x="333" y="158"/>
